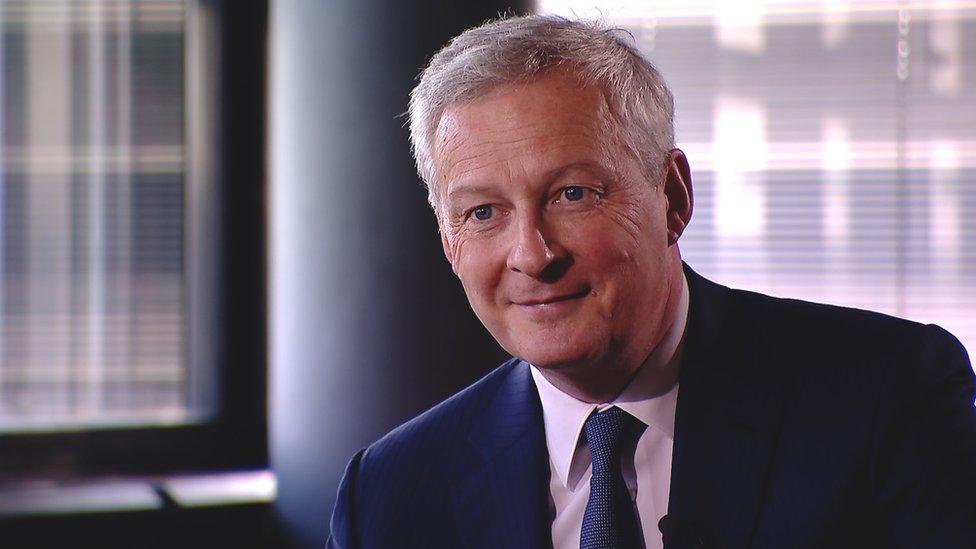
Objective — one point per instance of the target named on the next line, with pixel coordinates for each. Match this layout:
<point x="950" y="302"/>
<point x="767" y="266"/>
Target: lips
<point x="546" y="300"/>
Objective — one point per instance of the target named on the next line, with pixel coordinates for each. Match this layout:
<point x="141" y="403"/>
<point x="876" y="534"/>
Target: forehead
<point x="542" y="123"/>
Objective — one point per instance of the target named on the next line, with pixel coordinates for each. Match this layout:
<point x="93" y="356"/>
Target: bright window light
<point x="832" y="144"/>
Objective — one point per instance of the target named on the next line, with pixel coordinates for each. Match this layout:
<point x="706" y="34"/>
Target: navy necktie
<point x="610" y="520"/>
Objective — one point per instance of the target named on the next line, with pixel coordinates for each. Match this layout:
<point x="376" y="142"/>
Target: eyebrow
<point x="587" y="165"/>
<point x="476" y="189"/>
<point x="472" y="189"/>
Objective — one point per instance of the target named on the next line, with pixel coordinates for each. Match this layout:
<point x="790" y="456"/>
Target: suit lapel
<point x="726" y="422"/>
<point x="502" y="501"/>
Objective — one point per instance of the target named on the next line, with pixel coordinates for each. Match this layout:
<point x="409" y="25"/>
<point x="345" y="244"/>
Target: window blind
<point x="832" y="145"/>
<point x="92" y="213"/>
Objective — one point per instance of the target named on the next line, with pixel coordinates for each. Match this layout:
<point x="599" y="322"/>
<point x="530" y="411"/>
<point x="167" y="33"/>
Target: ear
<point x="678" y="192"/>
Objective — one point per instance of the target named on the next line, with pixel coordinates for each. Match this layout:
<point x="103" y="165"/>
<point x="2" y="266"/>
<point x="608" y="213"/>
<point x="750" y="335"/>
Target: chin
<point x="556" y="357"/>
<point x="555" y="346"/>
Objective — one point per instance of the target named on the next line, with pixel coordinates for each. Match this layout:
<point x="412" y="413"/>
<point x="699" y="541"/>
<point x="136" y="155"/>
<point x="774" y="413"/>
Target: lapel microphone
<point x="678" y="534"/>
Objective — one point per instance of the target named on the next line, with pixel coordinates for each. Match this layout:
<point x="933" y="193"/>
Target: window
<point x="126" y="345"/>
<point x="93" y="191"/>
<point x="832" y="146"/>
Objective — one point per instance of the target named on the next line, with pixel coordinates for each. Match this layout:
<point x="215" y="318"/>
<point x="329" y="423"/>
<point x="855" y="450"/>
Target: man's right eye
<point x="482" y="213"/>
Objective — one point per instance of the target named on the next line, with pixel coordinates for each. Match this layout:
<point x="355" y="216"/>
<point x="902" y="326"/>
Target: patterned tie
<point x="610" y="520"/>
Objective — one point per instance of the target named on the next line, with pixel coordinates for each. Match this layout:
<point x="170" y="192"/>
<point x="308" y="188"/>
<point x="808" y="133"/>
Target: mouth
<point x="550" y="300"/>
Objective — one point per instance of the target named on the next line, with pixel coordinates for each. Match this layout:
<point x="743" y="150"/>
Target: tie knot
<point x="606" y="432"/>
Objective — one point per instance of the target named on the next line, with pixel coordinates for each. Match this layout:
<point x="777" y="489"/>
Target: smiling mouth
<point x="555" y="299"/>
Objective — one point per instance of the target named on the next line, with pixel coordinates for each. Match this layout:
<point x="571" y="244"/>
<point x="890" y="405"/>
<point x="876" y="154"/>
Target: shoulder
<point x="817" y="348"/>
<point x="847" y="349"/>
<point x="439" y="430"/>
<point x="837" y="329"/>
<point x="773" y="327"/>
<point x="872" y="412"/>
<point x="797" y="310"/>
<point x="395" y="489"/>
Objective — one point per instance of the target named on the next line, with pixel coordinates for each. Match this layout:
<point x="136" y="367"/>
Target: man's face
<point x="561" y="242"/>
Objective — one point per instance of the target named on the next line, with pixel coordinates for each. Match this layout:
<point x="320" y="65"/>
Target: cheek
<point x="455" y="245"/>
<point x="640" y="213"/>
<point x="618" y="257"/>
<point x="475" y="265"/>
<point x="629" y="221"/>
<point x="610" y="243"/>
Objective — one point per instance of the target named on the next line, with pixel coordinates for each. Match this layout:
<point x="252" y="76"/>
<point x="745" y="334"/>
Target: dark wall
<point x="368" y="326"/>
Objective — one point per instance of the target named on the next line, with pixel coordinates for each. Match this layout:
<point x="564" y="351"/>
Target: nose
<point x="533" y="253"/>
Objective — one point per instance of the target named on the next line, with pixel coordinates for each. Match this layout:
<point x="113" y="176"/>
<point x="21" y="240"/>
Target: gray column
<point x="367" y="324"/>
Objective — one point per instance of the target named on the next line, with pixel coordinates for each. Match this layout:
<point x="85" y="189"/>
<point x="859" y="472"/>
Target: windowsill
<point x="143" y="494"/>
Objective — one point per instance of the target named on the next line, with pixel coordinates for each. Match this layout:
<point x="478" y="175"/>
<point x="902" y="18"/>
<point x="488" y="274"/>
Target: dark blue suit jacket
<point x="797" y="425"/>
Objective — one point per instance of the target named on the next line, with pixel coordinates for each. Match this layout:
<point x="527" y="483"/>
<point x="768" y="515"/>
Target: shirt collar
<point x="564" y="415"/>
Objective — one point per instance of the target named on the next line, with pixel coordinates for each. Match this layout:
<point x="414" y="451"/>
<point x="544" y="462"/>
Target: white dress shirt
<point x="646" y="466"/>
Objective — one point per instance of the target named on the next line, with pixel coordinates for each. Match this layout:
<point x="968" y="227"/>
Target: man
<point x="645" y="405"/>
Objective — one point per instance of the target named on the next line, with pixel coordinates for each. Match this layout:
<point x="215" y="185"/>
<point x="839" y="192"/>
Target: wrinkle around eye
<point x="627" y="215"/>
<point x="461" y="224"/>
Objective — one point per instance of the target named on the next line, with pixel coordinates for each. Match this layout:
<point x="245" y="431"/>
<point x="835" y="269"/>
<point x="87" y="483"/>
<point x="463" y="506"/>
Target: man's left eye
<point x="574" y="193"/>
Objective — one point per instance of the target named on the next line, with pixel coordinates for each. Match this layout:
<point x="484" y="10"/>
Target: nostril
<point x="531" y="258"/>
<point x="536" y="252"/>
<point x="556" y="269"/>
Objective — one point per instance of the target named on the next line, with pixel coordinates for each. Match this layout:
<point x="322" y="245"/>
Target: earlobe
<point x="678" y="191"/>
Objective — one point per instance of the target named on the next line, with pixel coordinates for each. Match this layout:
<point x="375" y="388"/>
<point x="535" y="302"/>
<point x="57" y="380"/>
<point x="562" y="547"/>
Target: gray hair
<point x="518" y="49"/>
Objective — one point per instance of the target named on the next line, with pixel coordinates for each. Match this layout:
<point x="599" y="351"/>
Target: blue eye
<point x="573" y="193"/>
<point x="482" y="213"/>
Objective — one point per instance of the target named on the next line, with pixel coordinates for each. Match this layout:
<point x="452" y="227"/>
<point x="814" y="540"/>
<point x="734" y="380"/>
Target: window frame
<point x="225" y="275"/>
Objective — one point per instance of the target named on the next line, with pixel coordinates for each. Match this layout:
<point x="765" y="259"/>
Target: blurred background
<point x="219" y="276"/>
